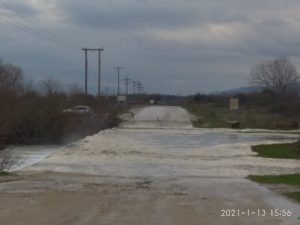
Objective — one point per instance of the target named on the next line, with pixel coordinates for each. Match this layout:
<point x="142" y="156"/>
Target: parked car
<point x="80" y="109"/>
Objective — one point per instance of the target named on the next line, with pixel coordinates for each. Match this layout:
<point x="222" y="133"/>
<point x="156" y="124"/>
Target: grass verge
<point x="292" y="180"/>
<point x="279" y="151"/>
<point x="293" y="195"/>
<point x="214" y="115"/>
<point x="4" y="173"/>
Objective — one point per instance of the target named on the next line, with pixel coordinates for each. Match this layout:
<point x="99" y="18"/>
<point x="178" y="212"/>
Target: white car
<point x="80" y="109"/>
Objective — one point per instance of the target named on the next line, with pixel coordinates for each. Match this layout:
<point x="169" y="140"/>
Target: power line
<point x="22" y="27"/>
<point x="38" y="31"/>
<point x="19" y="13"/>
<point x="31" y="31"/>
<point x="16" y="23"/>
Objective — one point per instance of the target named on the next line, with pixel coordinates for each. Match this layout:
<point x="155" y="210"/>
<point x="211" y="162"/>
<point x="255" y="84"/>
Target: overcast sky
<point x="171" y="46"/>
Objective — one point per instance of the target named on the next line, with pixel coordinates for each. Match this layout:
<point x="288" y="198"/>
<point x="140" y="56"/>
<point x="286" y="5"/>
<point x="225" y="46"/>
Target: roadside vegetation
<point x="292" y="179"/>
<point x="288" y="180"/>
<point x="263" y="110"/>
<point x="280" y="151"/>
<point x="4" y="174"/>
<point x="294" y="195"/>
<point x="32" y="113"/>
<point x="275" y="106"/>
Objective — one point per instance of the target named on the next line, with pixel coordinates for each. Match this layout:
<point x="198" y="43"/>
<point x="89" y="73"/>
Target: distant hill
<point x="241" y="90"/>
<point x="248" y="89"/>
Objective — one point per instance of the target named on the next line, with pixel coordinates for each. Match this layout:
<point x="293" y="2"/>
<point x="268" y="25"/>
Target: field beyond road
<point x="169" y="174"/>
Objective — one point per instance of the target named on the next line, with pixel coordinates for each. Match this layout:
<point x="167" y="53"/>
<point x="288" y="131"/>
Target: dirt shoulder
<point x="58" y="198"/>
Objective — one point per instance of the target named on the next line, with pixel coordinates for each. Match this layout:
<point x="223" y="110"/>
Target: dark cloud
<point x="127" y="19"/>
<point x="144" y="15"/>
<point x="178" y="46"/>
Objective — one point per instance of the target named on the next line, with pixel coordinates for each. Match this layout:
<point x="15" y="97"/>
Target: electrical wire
<point x="18" y="12"/>
<point x="37" y="31"/>
<point x="22" y="27"/>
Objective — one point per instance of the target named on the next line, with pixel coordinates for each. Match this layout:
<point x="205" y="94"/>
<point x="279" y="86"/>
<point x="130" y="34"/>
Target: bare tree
<point x="51" y="86"/>
<point x="11" y="87"/>
<point x="5" y="128"/>
<point x="75" y="89"/>
<point x="11" y="79"/>
<point x="280" y="75"/>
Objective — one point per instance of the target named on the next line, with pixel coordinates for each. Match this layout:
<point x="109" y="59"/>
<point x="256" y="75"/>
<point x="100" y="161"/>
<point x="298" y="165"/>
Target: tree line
<point x="33" y="114"/>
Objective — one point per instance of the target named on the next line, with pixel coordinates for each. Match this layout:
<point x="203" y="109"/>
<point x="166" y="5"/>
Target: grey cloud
<point x="145" y="16"/>
<point x="269" y="39"/>
<point x="129" y="19"/>
<point x="126" y="29"/>
<point x="20" y="7"/>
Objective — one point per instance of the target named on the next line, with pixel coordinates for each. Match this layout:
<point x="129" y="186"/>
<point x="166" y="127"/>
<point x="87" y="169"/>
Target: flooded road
<point x="27" y="155"/>
<point x="165" y="144"/>
<point x="160" y="174"/>
<point x="168" y="152"/>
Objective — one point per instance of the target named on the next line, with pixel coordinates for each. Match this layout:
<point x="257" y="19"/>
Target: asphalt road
<point x="169" y="174"/>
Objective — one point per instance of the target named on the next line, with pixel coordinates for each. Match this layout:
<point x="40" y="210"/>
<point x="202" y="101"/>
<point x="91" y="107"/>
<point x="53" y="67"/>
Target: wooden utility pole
<point x="118" y="69"/>
<point x="86" y="71"/>
<point x="140" y="88"/>
<point x="127" y="82"/>
<point x="134" y="86"/>
<point x="86" y="68"/>
<point x="99" y="70"/>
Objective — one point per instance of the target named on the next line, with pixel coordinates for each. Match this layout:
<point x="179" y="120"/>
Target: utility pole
<point x="86" y="71"/>
<point x="118" y="69"/>
<point x="99" y="71"/>
<point x="134" y="86"/>
<point x="86" y="68"/>
<point x="127" y="82"/>
<point x="140" y="88"/>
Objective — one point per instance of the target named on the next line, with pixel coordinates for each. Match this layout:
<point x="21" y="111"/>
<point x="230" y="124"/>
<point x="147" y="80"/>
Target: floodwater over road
<point x="27" y="155"/>
<point x="184" y="151"/>
<point x="191" y="139"/>
<point x="168" y="152"/>
<point x="143" y="145"/>
<point x="163" y="175"/>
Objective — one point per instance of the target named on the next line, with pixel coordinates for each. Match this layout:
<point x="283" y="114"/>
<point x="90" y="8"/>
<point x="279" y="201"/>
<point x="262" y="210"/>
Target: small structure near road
<point x="122" y="100"/>
<point x="234" y="104"/>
